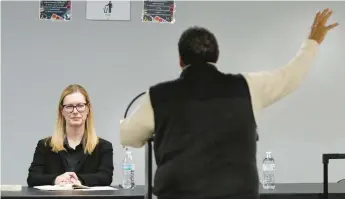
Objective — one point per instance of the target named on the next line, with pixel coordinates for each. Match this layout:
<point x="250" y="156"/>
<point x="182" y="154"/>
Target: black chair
<point x="148" y="160"/>
<point x="325" y="161"/>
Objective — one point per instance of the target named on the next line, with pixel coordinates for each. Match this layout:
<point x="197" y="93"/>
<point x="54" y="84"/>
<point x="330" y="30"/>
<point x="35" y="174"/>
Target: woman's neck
<point x="74" y="134"/>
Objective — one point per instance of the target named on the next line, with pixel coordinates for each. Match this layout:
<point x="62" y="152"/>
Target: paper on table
<point x="11" y="187"/>
<point x="53" y="187"/>
<point x="98" y="189"/>
<point x="73" y="187"/>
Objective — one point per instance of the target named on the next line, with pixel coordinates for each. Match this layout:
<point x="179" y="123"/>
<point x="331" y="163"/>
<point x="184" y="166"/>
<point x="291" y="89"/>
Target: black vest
<point x="205" y="136"/>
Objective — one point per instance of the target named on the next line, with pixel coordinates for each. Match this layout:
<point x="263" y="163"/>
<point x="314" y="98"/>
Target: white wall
<point x="117" y="60"/>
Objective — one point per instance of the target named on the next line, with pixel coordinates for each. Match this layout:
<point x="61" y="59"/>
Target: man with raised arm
<point x="204" y="122"/>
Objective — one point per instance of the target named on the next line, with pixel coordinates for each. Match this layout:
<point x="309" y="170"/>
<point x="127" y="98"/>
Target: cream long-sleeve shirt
<point x="265" y="87"/>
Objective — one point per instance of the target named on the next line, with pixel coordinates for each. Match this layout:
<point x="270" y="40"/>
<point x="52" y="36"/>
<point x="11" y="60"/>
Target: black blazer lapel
<point x="62" y="155"/>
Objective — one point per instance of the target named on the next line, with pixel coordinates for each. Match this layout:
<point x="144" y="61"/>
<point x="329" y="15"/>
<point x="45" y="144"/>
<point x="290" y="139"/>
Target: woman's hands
<point x="67" y="178"/>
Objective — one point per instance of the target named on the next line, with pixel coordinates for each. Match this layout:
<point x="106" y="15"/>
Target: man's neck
<point x="74" y="134"/>
<point x="188" y="65"/>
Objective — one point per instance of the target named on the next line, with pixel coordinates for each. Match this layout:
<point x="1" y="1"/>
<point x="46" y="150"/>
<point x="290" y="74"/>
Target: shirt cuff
<point x="310" y="45"/>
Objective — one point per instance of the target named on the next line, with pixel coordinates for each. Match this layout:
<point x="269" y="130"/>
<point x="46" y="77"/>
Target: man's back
<point x="205" y="136"/>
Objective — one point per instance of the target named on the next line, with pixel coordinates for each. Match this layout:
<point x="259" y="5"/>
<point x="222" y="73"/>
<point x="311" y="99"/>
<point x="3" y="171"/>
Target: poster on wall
<point x="55" y="10"/>
<point x="108" y="10"/>
<point x="159" y="11"/>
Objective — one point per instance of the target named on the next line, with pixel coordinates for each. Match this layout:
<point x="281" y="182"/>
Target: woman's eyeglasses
<point x="70" y="108"/>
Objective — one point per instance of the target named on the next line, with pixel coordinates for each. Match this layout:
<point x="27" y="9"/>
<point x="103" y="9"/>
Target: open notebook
<point x="72" y="187"/>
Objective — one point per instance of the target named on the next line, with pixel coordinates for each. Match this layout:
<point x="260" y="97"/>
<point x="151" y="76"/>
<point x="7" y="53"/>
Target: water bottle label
<point x="127" y="166"/>
<point x="132" y="177"/>
<point x="268" y="167"/>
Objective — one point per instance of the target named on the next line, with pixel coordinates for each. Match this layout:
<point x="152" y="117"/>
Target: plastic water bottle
<point x="268" y="167"/>
<point x="128" y="170"/>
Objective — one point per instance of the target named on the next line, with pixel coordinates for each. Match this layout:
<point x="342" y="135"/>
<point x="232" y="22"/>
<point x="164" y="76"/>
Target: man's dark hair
<point x="198" y="45"/>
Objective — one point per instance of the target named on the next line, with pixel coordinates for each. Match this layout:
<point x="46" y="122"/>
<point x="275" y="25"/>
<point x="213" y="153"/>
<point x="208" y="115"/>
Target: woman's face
<point x="75" y="109"/>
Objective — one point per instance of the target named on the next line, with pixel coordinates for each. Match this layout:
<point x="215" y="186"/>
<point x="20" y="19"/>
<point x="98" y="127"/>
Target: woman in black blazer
<point x="74" y="154"/>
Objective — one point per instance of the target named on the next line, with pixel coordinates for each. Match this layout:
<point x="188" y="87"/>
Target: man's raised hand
<point x="320" y="27"/>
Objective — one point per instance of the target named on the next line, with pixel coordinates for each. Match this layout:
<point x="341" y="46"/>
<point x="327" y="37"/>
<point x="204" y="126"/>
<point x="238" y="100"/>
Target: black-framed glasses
<point x="70" y="107"/>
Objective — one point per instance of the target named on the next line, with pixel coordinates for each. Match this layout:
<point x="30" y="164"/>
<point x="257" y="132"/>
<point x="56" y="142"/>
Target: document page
<point x="73" y="187"/>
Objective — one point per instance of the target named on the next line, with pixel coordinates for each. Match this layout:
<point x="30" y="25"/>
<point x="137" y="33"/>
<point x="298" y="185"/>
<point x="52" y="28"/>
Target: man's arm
<point x="138" y="128"/>
<point x="269" y="87"/>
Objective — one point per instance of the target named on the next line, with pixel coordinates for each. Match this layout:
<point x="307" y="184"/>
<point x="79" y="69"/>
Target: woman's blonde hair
<point x="90" y="139"/>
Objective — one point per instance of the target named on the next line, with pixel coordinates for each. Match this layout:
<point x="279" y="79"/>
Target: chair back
<point x="148" y="165"/>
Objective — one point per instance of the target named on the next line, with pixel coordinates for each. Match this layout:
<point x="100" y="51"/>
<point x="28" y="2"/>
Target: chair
<point x="148" y="160"/>
<point x="325" y="160"/>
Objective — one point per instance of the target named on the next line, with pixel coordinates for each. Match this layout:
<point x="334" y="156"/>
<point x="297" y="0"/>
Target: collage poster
<point x="159" y="11"/>
<point x="55" y="10"/>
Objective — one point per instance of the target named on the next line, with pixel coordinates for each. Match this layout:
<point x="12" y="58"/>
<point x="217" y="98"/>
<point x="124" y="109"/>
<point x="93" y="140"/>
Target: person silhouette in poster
<point x="110" y="6"/>
<point x="107" y="8"/>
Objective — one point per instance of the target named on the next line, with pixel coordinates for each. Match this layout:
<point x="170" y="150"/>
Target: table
<point x="303" y="191"/>
<point x="30" y="193"/>
<point x="282" y="191"/>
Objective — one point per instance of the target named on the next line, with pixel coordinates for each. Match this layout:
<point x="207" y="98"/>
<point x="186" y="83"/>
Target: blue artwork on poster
<point x="55" y="10"/>
<point x="158" y="11"/>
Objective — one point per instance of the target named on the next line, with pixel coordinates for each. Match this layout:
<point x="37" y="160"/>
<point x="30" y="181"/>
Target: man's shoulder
<point x="235" y="76"/>
<point x="165" y="90"/>
<point x="166" y="84"/>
